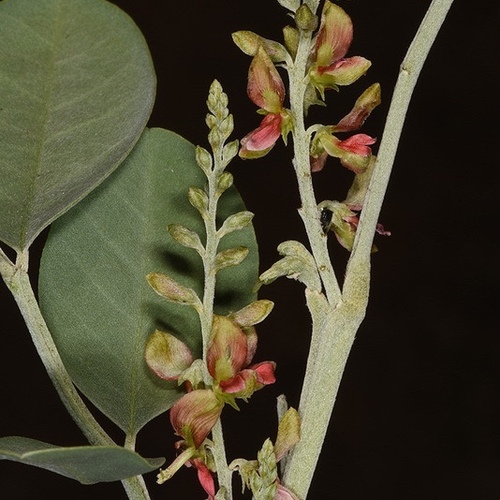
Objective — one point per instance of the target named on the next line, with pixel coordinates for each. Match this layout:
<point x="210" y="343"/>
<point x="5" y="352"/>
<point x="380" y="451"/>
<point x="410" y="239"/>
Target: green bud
<point x="199" y="199"/>
<point x="291" y="38"/>
<point x="204" y="159"/>
<point x="267" y="480"/>
<point x="253" y="313"/>
<point x="217" y="101"/>
<point x="235" y="222"/>
<point x="185" y="237"/>
<point x="226" y="127"/>
<point x="225" y="182"/>
<point x="288" y="433"/>
<point x="215" y="138"/>
<point x="172" y="290"/>
<point x="231" y="257"/>
<point x="305" y="19"/>
<point x="229" y="151"/>
<point x="249" y="43"/>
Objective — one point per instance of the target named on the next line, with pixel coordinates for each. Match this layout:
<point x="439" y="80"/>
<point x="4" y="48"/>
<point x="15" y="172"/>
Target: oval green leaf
<point x="93" y="288"/>
<point x="77" y="87"/>
<point x="86" y="464"/>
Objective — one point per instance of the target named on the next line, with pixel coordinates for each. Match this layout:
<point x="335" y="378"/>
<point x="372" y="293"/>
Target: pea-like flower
<point x="267" y="90"/>
<point x="331" y="68"/>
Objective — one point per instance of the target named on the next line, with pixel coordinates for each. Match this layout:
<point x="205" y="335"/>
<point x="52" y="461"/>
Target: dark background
<point x="418" y="413"/>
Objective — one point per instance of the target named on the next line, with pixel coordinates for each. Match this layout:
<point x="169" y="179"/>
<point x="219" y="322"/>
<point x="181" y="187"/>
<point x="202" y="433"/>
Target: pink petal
<point x="260" y="141"/>
<point x="344" y="71"/>
<point x="380" y="230"/>
<point x="239" y="383"/>
<point x="334" y="35"/>
<point x="357" y="144"/>
<point x="265" y="86"/>
<point x="205" y="478"/>
<point x="227" y="351"/>
<point x="194" y="415"/>
<point x="318" y="163"/>
<point x="265" y="372"/>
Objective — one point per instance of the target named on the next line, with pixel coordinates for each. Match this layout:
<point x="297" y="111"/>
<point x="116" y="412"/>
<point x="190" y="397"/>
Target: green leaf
<point x="86" y="464"/>
<point x="76" y="89"/>
<point x="93" y="288"/>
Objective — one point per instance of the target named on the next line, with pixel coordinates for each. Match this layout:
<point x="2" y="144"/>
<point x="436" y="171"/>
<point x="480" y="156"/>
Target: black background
<point x="418" y="413"/>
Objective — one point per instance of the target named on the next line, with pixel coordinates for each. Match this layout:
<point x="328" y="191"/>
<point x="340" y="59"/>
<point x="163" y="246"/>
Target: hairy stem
<point x="407" y="79"/>
<point x="326" y="365"/>
<point x="206" y="318"/>
<point x="309" y="209"/>
<point x="17" y="280"/>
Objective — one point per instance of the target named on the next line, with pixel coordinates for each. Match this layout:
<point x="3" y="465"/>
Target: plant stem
<point x="17" y="280"/>
<point x="309" y="209"/>
<point x="135" y="487"/>
<point x="326" y="365"/>
<point x="407" y="79"/>
<point x="206" y="316"/>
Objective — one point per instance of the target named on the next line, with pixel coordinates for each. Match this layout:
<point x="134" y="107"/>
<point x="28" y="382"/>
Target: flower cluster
<point x="230" y="352"/>
<point x="328" y="68"/>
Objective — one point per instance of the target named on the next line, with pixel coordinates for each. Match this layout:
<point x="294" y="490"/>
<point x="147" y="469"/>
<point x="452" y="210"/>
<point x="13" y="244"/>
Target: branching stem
<point x="17" y="280"/>
<point x="326" y="365"/>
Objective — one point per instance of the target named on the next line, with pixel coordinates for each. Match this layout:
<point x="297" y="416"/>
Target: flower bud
<point x="199" y="200"/>
<point x="166" y="355"/>
<point x="305" y="19"/>
<point x="204" y="158"/>
<point x="249" y="43"/>
<point x="225" y="182"/>
<point x="230" y="257"/>
<point x="235" y="222"/>
<point x="172" y="290"/>
<point x="185" y="237"/>
<point x="253" y="313"/>
<point x="291" y="38"/>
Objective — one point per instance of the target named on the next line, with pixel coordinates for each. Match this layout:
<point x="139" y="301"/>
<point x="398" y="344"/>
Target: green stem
<point x="407" y="79"/>
<point x="206" y="317"/>
<point x="136" y="489"/>
<point x="17" y="280"/>
<point x="309" y="209"/>
<point x="326" y="365"/>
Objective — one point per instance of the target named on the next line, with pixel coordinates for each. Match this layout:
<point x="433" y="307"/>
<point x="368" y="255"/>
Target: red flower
<point x="267" y="90"/>
<point x="230" y="352"/>
<point x="331" y="68"/>
<point x="354" y="152"/>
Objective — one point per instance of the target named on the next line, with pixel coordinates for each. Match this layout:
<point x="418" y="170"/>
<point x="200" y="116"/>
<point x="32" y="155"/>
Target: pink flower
<point x="354" y="152"/>
<point x="267" y="90"/>
<point x="344" y="223"/>
<point x="205" y="477"/>
<point x="193" y="417"/>
<point x="229" y="354"/>
<point x="331" y="69"/>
